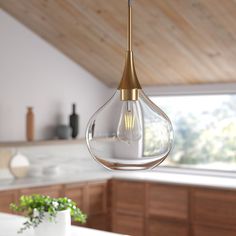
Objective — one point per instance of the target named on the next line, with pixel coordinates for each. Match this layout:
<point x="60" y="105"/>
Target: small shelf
<point x="41" y="142"/>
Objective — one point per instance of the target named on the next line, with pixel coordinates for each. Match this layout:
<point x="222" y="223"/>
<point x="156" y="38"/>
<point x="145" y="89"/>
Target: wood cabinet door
<point x="6" y="198"/>
<point x="166" y="228"/>
<point x="97" y="197"/>
<point x="51" y="191"/>
<point x="199" y="230"/>
<point x="77" y="193"/>
<point x="168" y="201"/>
<point x="100" y="222"/>
<point x="214" y="207"/>
<point x="128" y="224"/>
<point x="128" y="197"/>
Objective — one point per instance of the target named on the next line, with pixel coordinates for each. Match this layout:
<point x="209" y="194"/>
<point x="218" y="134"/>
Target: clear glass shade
<point x="129" y="135"/>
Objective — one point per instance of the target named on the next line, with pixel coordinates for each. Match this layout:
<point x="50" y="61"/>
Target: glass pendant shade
<point x="129" y="135"/>
<point x="129" y="132"/>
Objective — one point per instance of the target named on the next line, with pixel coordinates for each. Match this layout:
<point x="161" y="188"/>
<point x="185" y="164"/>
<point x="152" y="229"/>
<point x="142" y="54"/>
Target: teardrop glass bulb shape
<point x="129" y="135"/>
<point x="129" y="128"/>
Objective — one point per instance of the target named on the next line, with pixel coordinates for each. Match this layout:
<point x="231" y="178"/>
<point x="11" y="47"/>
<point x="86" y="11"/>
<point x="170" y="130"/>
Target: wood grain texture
<point x="168" y="201"/>
<point x="175" y="42"/>
<point x="6" y="198"/>
<point x="128" y="224"/>
<point x="77" y="193"/>
<point x="214" y="207"/>
<point x="51" y="191"/>
<point x="41" y="143"/>
<point x="91" y="198"/>
<point x="99" y="221"/>
<point x="128" y="197"/>
<point x="166" y="228"/>
<point x="97" y="197"/>
<point x="199" y="230"/>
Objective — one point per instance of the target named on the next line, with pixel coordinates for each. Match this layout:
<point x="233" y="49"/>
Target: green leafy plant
<point x="36" y="206"/>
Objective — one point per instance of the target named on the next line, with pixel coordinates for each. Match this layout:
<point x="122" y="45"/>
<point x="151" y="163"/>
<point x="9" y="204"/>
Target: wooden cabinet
<point x="128" y="207"/>
<point x="100" y="221"/>
<point x="77" y="193"/>
<point x="128" y="224"/>
<point x="128" y="197"/>
<point x="168" y="201"/>
<point x="199" y="230"/>
<point x="6" y="198"/>
<point x="51" y="191"/>
<point x="91" y="198"/>
<point x="140" y="208"/>
<point x="214" y="207"/>
<point x="167" y="210"/>
<point x="97" y="200"/>
<point x="160" y="227"/>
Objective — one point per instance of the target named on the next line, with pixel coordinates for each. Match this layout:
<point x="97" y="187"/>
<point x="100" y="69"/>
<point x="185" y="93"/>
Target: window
<point x="205" y="131"/>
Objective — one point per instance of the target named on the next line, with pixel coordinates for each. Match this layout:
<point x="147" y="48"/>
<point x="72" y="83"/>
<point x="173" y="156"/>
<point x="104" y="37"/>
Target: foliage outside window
<point x="205" y="131"/>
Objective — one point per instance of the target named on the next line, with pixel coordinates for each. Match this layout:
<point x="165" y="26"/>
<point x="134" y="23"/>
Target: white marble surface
<point x="10" y="224"/>
<point x="70" y="158"/>
<point x="71" y="177"/>
<point x="152" y="176"/>
<point x="181" y="179"/>
<point x="76" y="165"/>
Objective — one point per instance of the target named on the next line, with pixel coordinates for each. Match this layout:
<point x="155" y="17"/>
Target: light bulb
<point x="130" y="127"/>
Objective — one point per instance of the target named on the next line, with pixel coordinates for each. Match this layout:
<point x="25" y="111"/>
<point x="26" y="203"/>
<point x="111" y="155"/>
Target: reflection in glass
<point x="117" y="134"/>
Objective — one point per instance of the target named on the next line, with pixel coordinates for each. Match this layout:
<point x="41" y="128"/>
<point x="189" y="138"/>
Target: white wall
<point x="33" y="73"/>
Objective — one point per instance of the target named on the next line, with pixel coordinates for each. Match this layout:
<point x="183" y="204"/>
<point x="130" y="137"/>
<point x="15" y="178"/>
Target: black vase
<point x="74" y="122"/>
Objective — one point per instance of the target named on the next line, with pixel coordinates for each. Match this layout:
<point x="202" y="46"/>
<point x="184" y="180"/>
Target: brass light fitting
<point x="129" y="84"/>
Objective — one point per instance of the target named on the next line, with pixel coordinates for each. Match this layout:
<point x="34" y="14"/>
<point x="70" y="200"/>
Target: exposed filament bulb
<point x="130" y="128"/>
<point x="129" y="120"/>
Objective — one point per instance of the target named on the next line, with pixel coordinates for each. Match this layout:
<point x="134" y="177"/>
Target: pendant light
<point x="129" y="132"/>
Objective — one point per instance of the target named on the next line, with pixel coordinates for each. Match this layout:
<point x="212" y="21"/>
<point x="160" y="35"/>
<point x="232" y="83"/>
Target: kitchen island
<point x="10" y="224"/>
<point x="139" y="203"/>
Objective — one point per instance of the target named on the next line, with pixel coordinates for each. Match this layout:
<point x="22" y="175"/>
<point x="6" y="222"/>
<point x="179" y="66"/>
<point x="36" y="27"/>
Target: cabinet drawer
<point x="128" y="225"/>
<point x="212" y="231"/>
<point x="51" y="191"/>
<point x="166" y="228"/>
<point x="168" y="201"/>
<point x="129" y="197"/>
<point x="214" y="207"/>
<point x="6" y="198"/>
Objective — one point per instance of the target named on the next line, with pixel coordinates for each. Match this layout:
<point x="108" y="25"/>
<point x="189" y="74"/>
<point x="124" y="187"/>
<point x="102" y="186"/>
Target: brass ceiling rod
<point x="129" y="86"/>
<point x="129" y="25"/>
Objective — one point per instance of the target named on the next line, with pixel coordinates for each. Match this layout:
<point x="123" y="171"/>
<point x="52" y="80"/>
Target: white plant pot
<point x="60" y="226"/>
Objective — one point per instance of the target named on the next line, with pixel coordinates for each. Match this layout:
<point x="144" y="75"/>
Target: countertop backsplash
<point x="56" y="159"/>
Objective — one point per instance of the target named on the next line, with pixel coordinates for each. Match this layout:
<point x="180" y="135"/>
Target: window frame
<point x="190" y="90"/>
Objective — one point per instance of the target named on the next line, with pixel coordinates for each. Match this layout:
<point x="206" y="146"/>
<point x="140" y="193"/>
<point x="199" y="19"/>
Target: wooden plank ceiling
<point x="175" y="41"/>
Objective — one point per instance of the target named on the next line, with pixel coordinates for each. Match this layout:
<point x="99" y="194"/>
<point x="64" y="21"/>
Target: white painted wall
<point x="33" y="73"/>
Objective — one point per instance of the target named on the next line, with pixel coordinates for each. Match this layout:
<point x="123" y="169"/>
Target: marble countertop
<point x="152" y="176"/>
<point x="180" y="179"/>
<point x="10" y="224"/>
<point x="28" y="182"/>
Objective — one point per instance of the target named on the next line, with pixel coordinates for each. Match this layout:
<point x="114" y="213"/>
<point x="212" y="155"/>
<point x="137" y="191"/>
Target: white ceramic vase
<point x="61" y="226"/>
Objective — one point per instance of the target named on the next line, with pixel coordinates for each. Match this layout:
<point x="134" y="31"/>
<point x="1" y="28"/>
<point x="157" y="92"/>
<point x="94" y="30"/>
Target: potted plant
<point x="48" y="216"/>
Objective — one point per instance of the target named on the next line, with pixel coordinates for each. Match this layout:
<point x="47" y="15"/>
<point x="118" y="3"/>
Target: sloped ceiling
<point x="175" y="41"/>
